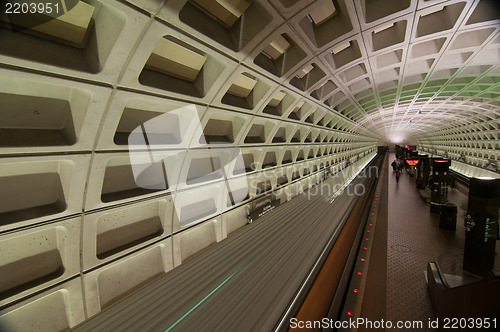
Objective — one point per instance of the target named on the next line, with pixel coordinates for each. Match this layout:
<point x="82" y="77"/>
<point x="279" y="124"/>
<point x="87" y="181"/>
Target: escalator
<point x="463" y="298"/>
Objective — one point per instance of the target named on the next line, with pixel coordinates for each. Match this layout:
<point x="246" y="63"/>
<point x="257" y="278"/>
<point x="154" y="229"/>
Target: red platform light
<point x="362" y="259"/>
<point x="355" y="290"/>
<point x="360" y="274"/>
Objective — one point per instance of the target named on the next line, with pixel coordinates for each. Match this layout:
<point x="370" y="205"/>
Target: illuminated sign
<point x="440" y="161"/>
<point x="412" y="162"/>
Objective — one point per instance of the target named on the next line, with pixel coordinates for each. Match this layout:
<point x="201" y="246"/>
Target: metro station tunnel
<point x="249" y="165"/>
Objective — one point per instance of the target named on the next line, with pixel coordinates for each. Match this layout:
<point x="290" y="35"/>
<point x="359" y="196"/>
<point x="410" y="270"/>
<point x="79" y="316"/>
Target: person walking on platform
<point x="394" y="165"/>
<point x="398" y="174"/>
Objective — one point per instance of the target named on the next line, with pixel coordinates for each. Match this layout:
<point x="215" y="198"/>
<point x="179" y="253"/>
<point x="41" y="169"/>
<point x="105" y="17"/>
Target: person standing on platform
<point x="398" y="174"/>
<point x="394" y="165"/>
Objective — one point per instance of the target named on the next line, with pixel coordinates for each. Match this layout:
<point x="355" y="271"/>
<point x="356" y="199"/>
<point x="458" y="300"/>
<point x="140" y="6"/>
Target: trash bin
<point x="448" y="217"/>
<point x="435" y="207"/>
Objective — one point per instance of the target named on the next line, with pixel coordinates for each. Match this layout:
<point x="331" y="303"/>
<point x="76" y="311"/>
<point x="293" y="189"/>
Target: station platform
<point x="406" y="239"/>
<point x="261" y="269"/>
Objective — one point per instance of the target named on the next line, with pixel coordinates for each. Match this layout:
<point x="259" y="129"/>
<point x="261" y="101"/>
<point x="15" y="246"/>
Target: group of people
<point x="397" y="167"/>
